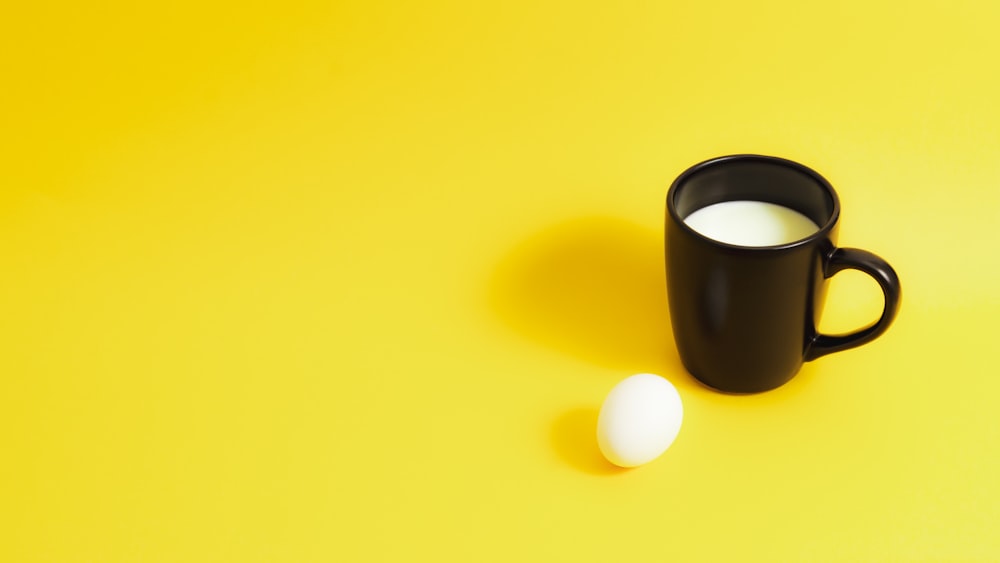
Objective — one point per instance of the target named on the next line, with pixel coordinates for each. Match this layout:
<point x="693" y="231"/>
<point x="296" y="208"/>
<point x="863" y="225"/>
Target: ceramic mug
<point x="744" y="316"/>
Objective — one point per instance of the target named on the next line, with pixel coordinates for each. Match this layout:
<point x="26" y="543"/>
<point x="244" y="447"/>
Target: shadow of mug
<point x="593" y="288"/>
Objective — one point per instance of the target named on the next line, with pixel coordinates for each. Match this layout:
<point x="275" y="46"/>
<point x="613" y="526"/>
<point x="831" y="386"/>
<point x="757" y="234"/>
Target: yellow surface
<point x="349" y="281"/>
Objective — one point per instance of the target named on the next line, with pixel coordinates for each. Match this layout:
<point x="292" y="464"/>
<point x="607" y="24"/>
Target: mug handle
<point x="853" y="258"/>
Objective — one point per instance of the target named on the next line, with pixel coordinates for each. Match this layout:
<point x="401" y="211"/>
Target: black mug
<point x="744" y="317"/>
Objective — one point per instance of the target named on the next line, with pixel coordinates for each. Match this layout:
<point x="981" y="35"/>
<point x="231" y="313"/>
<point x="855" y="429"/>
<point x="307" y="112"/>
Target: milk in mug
<point x="751" y="223"/>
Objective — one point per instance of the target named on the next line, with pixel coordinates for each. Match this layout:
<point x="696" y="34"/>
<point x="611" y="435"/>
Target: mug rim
<point x="823" y="231"/>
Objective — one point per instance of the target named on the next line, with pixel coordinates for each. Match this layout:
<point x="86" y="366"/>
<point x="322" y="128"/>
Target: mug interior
<point x="756" y="178"/>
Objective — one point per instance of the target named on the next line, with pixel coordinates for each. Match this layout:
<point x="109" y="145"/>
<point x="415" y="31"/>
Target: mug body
<point x="744" y="317"/>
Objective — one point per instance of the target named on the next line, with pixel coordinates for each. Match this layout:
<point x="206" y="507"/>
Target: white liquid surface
<point x="751" y="223"/>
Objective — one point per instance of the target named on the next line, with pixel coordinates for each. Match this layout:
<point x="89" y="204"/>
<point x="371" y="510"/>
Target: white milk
<point x="751" y="223"/>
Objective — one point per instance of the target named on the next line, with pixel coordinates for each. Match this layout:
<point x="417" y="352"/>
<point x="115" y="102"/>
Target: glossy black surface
<point x="744" y="317"/>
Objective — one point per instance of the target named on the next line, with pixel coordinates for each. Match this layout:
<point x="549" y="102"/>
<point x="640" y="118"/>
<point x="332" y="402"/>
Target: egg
<point x="639" y="420"/>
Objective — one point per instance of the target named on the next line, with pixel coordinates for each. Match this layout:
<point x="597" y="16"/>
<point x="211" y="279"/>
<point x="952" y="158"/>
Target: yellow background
<point x="349" y="281"/>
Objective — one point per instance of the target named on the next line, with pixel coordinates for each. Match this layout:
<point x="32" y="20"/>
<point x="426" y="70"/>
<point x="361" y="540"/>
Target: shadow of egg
<point x="574" y="439"/>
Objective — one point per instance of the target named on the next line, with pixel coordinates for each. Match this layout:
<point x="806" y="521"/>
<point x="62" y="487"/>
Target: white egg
<point x="639" y="419"/>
